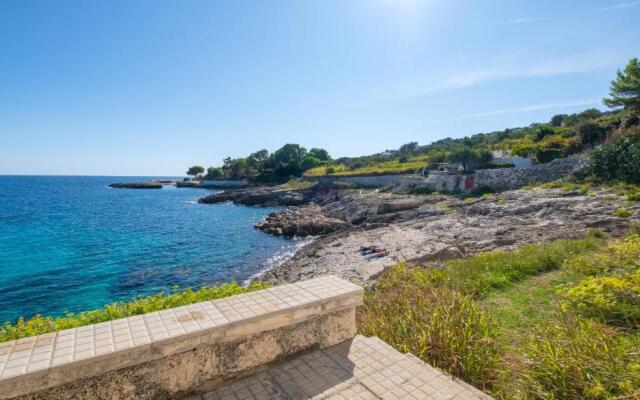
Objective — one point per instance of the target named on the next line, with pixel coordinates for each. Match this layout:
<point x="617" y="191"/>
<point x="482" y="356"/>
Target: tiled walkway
<point x="362" y="368"/>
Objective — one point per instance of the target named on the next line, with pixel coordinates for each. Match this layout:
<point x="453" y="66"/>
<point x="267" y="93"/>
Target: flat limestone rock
<point x="430" y="229"/>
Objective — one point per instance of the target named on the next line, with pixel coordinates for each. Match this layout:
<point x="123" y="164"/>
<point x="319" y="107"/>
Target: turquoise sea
<point x="74" y="244"/>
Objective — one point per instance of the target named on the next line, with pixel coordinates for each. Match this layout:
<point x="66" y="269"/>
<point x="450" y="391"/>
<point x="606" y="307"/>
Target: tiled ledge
<point x="33" y="364"/>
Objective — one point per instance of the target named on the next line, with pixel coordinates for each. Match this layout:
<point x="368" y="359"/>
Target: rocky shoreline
<point x="420" y="229"/>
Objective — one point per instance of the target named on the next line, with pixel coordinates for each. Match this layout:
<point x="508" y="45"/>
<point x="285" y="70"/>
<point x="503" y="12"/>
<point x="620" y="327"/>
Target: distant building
<point x="517" y="162"/>
<point x="501" y="153"/>
<point x="388" y="153"/>
<point x="450" y="168"/>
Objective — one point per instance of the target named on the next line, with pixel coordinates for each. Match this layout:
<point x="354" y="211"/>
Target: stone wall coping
<point x="102" y="346"/>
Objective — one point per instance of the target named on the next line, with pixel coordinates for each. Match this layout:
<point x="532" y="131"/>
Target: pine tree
<point x="625" y="90"/>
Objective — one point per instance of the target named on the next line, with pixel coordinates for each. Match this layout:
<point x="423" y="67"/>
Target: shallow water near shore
<point x="74" y="244"/>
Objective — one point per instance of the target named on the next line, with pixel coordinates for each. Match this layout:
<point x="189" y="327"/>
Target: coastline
<point x="278" y="259"/>
<point x="422" y="229"/>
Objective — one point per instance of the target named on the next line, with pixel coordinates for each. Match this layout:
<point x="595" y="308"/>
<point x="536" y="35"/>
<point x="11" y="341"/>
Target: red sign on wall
<point x="468" y="184"/>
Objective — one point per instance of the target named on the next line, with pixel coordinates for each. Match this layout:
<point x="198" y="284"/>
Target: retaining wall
<point x="496" y="179"/>
<point x="361" y="180"/>
<point x="513" y="178"/>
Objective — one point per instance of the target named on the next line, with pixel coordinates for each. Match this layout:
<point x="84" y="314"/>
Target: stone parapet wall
<point x="172" y="352"/>
<point x="513" y="178"/>
<point x="496" y="179"/>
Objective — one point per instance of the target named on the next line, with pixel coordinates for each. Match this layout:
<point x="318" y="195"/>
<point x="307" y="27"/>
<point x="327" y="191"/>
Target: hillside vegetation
<point x="562" y="136"/>
<point x="409" y="165"/>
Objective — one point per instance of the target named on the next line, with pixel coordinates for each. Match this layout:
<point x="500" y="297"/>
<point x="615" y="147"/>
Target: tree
<point x="542" y="132"/>
<point x="258" y="159"/>
<point x="286" y="160"/>
<point x="625" y="89"/>
<point x="309" y="161"/>
<point x="214" y="173"/>
<point x="484" y="157"/>
<point x="591" y="133"/>
<point x="408" y="148"/>
<point x="320" y="154"/>
<point x="589" y="114"/>
<point x="465" y="156"/>
<point x="557" y="120"/>
<point x="437" y="156"/>
<point x="195" y="170"/>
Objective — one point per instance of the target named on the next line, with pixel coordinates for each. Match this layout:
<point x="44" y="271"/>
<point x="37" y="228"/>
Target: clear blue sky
<point x="151" y="87"/>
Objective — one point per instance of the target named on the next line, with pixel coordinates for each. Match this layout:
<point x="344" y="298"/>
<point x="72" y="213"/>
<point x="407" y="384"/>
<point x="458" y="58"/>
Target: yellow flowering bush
<point x="622" y="256"/>
<point x="612" y="299"/>
<point x="610" y="290"/>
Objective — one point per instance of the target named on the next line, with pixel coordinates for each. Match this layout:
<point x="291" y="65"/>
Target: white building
<point x="517" y="162"/>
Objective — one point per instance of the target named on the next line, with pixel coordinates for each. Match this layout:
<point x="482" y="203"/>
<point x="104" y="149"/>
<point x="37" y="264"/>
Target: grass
<point x="631" y="191"/>
<point x="297" y="184"/>
<point x="511" y="324"/>
<point x="412" y="165"/>
<point x="514" y="311"/>
<point x="448" y="329"/>
<point x="38" y="324"/>
<point x="486" y="272"/>
<point x="622" y="212"/>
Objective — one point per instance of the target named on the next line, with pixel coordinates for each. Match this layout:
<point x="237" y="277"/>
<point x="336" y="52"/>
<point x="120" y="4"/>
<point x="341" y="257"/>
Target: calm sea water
<point x="73" y="244"/>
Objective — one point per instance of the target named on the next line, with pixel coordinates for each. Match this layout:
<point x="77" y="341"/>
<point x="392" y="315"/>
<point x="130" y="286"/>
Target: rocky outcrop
<point x="223" y="184"/>
<point x="301" y="221"/>
<point x="137" y="185"/>
<point x="259" y="196"/>
<point x="421" y="229"/>
<point x="187" y="184"/>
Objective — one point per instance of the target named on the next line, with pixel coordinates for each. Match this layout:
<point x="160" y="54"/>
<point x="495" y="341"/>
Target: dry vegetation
<point x="551" y="321"/>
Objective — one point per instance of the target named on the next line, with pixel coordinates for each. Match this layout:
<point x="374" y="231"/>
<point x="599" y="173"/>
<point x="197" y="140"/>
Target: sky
<point x="151" y="87"/>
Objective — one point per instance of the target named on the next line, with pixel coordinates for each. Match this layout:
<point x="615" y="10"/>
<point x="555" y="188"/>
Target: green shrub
<point x="596" y="233"/>
<point x="619" y="257"/>
<point x="592" y="133"/>
<point x="578" y="360"/>
<point x="580" y="187"/>
<point x="543" y="131"/>
<point x="39" y="325"/>
<point x="609" y="289"/>
<point x="619" y="160"/>
<point x="633" y="196"/>
<point x="622" y="212"/>
<point x="546" y="155"/>
<point x="614" y="300"/>
<point x="443" y="327"/>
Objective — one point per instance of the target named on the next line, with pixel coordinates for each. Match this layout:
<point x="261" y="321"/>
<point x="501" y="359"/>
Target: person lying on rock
<point x="366" y="249"/>
<point x="379" y="252"/>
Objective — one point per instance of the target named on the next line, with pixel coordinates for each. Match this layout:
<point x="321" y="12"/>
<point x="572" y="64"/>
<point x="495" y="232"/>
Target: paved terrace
<point x="289" y="342"/>
<point x="360" y="369"/>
